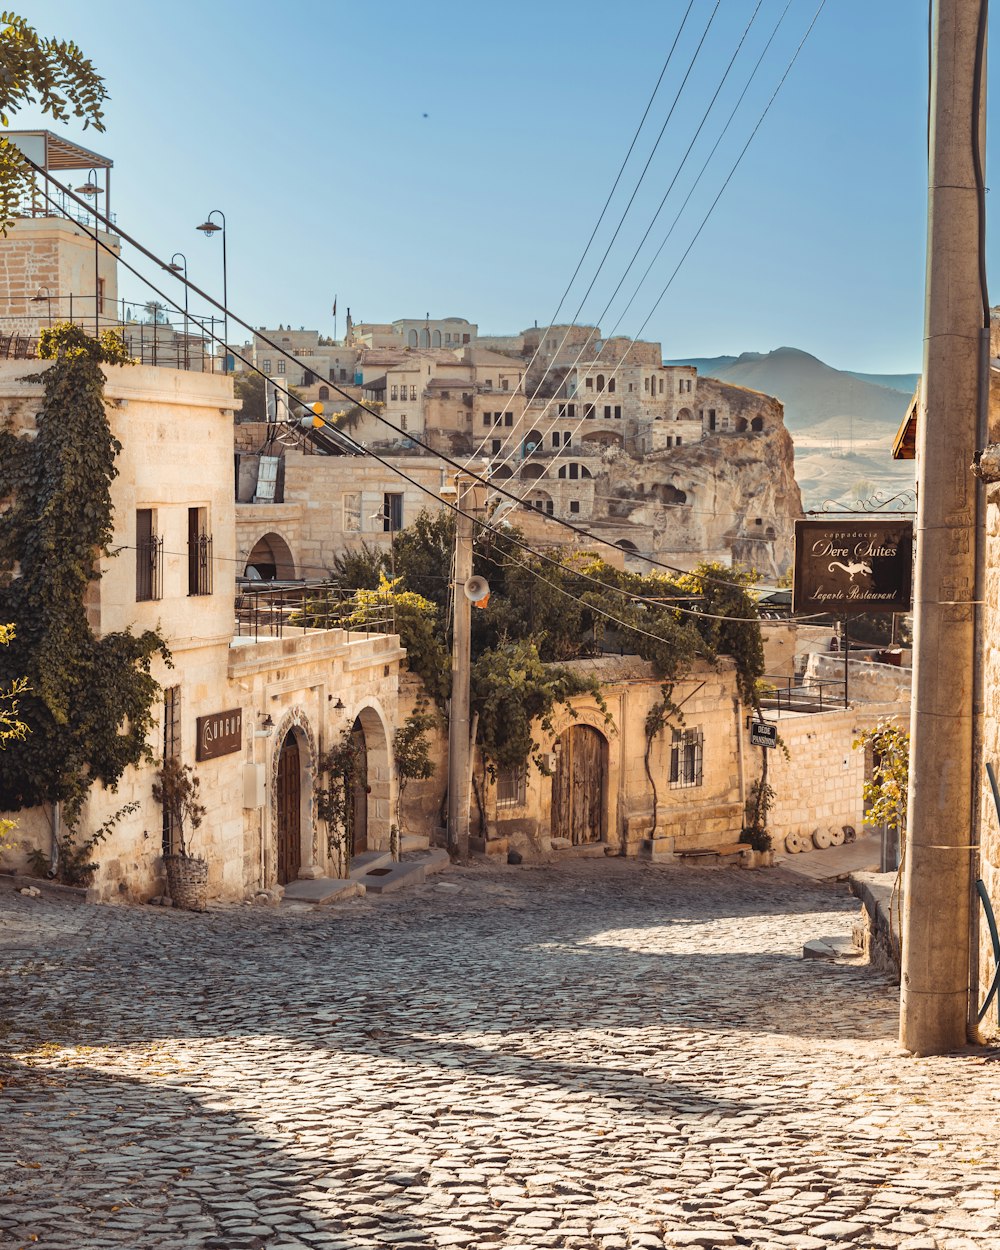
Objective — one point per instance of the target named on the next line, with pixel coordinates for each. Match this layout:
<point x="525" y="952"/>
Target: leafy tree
<point x="511" y="690"/>
<point x="886" y="790"/>
<point x="88" y="700"/>
<point x="55" y="75"/>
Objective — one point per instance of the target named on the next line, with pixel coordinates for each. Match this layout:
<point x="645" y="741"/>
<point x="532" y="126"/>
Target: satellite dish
<point x="477" y="591"/>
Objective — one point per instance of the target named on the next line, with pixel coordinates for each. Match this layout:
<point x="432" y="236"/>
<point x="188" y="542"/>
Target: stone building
<point x="251" y="701"/>
<point x="597" y="794"/>
<point x="284" y="694"/>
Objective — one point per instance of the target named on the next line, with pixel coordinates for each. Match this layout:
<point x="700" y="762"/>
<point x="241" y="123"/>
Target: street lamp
<point x="91" y="190"/>
<point x="208" y="227"/>
<point x="175" y="268"/>
<point x="44" y="295"/>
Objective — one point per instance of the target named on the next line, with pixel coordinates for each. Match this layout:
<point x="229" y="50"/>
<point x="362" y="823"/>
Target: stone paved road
<point x="603" y="1054"/>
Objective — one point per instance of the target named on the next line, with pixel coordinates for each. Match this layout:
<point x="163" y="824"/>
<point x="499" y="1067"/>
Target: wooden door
<point x="359" y="796"/>
<point x="579" y="786"/>
<point x="289" y="830"/>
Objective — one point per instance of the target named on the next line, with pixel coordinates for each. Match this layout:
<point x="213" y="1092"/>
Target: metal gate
<point x="289" y="830"/>
<point x="579" y="786"/>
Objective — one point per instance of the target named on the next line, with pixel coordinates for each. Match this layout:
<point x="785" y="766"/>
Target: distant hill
<point x="905" y="382"/>
<point x="842" y="423"/>
<point x="810" y="390"/>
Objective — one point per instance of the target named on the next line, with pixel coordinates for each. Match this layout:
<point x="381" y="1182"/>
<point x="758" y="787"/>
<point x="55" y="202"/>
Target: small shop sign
<point x="763" y="733"/>
<point x="850" y="567"/>
<point x="219" y="734"/>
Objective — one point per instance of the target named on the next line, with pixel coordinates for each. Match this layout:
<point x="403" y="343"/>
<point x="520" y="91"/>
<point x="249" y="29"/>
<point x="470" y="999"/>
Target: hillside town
<point x="457" y="788"/>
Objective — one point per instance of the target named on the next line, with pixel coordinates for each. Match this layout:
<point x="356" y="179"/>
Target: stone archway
<point x="370" y="810"/>
<point x="291" y="852"/>
<point x="270" y="559"/>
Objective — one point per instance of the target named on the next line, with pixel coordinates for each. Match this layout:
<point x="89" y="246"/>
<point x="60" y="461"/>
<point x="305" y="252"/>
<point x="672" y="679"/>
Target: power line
<point x="687" y="199"/>
<point x="593" y="233"/>
<point x="635" y="192"/>
<point x="463" y="469"/>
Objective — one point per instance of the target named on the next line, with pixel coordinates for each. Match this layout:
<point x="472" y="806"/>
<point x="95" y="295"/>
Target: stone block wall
<point x="821" y="782"/>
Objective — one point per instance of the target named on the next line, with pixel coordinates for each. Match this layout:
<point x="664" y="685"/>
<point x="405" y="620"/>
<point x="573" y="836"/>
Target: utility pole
<point x="938" y="877"/>
<point x="459" y="745"/>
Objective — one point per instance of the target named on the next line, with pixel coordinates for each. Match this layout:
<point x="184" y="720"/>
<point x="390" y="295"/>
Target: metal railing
<point x="788" y="694"/>
<point x="274" y="609"/>
<point x="151" y="336"/>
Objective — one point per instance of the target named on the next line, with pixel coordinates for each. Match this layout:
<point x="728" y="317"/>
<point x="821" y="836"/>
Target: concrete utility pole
<point x="459" y="746"/>
<point x="937" y="883"/>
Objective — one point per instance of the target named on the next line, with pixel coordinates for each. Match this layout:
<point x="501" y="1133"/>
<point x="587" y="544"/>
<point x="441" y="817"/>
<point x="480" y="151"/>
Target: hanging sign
<point x="852" y="566"/>
<point x="763" y="733"/>
<point x="219" y="734"/>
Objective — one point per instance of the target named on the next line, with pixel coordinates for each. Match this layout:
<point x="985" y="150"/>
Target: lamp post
<point x="91" y="190"/>
<point x="175" y="268"/>
<point x="208" y="227"/>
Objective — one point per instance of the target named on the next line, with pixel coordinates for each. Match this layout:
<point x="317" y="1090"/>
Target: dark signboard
<point x="849" y="567"/>
<point x="763" y="733"/>
<point x="220" y="734"/>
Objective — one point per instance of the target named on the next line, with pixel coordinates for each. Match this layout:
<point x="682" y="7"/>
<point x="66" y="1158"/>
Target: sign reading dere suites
<point x="219" y="734"/>
<point x="849" y="567"/>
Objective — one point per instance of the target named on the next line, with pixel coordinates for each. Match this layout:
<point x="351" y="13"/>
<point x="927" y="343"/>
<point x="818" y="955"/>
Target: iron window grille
<point x="148" y="559"/>
<point x="686" y="758"/>
<point x="511" y="787"/>
<point x="199" y="554"/>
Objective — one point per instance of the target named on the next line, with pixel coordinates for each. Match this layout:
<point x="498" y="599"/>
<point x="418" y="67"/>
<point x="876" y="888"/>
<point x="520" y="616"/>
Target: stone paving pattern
<point x="597" y="1054"/>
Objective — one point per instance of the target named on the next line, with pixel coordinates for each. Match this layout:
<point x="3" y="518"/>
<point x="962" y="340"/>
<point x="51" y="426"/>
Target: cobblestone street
<point x="597" y="1054"/>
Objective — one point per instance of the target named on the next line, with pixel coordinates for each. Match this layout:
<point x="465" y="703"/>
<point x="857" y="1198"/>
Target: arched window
<point x="757" y="424"/>
<point x="411" y="339"/>
<point x="532" y="471"/>
<point x="437" y="338"/>
<point x="611" y="386"/>
<point x="324" y="392"/>
<point x="425" y="338"/>
<point x="600" y="381"/>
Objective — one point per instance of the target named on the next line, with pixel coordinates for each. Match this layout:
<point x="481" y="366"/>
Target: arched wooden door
<point x="580" y="786"/>
<point x="289" y="828"/>
<point x="359" y="796"/>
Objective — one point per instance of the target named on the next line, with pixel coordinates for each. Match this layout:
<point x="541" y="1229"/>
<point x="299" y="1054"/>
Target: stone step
<point x="414" y="842"/>
<point x="385" y="880"/>
<point x="362" y="864"/>
<point x="322" y="890"/>
<point x="435" y="859"/>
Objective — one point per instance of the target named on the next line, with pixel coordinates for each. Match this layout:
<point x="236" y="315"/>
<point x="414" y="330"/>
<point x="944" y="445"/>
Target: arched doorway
<point x="270" y="560"/>
<point x="580" y="786"/>
<point x="370" y="808"/>
<point x="289" y="811"/>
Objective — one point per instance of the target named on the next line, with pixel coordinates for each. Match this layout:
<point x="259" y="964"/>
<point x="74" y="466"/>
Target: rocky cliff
<point x="732" y="496"/>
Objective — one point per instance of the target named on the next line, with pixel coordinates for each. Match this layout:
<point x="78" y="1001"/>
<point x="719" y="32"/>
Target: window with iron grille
<point x="171" y="751"/>
<point x="199" y="553"/>
<point x="686" y="753"/>
<point x="148" y="557"/>
<point x="511" y="786"/>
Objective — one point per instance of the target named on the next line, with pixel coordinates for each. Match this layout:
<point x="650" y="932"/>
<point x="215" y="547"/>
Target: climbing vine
<point x="339" y="771"/>
<point x="88" y="699"/>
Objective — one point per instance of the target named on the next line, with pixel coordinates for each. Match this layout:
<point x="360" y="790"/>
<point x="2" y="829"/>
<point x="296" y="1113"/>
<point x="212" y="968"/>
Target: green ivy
<point x="88" y="700"/>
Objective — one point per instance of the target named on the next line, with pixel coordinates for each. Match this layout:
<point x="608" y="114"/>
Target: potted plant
<point x="177" y="790"/>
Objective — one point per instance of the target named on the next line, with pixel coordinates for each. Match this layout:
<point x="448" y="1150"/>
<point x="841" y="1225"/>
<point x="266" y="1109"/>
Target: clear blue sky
<point x="305" y="123"/>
